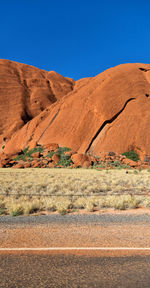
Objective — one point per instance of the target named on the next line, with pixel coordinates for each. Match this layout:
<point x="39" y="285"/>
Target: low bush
<point x="65" y="160"/>
<point x="61" y="150"/>
<point x="132" y="155"/>
<point x="1" y="211"/>
<point x="27" y="154"/>
<point x="50" y="154"/>
<point x="16" y="212"/>
<point x="99" y="165"/>
<point x="116" y="164"/>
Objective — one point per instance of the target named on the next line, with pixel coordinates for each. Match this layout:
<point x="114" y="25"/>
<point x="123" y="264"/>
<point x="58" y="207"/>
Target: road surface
<point x="75" y="268"/>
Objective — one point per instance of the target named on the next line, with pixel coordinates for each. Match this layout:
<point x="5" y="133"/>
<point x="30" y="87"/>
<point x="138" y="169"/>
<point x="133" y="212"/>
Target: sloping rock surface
<point x="109" y="112"/>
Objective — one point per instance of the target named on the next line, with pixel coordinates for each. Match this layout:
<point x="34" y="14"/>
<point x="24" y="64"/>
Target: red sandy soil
<point x="79" y="235"/>
<point x="138" y="211"/>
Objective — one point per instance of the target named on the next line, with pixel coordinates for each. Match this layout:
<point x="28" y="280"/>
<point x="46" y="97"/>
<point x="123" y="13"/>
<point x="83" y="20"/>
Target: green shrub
<point x="27" y="154"/>
<point x="16" y="212"/>
<point x="1" y="211"/>
<point x="117" y="164"/>
<point x="63" y="212"/>
<point x="20" y="157"/>
<point x="50" y="154"/>
<point x="114" y="164"/>
<point x="99" y="165"/>
<point x="30" y="158"/>
<point x="132" y="155"/>
<point x="65" y="160"/>
<point x="25" y="150"/>
<point x="61" y="150"/>
<point x="125" y="166"/>
<point x="34" y="150"/>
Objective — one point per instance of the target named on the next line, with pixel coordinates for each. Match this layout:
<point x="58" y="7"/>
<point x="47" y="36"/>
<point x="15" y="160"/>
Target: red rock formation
<point x="109" y="112"/>
<point x="25" y="92"/>
<point x="80" y="159"/>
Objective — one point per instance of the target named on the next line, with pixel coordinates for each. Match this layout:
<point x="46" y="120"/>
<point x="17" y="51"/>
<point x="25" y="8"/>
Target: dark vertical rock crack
<point x="50" y="123"/>
<point x="107" y="122"/>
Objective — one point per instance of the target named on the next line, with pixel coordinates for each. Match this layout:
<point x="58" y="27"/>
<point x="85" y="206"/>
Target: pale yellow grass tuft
<point x="30" y="190"/>
<point x="62" y="205"/>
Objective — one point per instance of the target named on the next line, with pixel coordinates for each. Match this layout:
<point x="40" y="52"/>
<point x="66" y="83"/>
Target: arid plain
<point x="28" y="191"/>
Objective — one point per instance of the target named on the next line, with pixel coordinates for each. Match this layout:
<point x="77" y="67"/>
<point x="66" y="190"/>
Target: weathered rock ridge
<point x="109" y="112"/>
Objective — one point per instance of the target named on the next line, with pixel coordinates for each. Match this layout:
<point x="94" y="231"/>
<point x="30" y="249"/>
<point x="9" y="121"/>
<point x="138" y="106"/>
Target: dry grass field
<point x="26" y="191"/>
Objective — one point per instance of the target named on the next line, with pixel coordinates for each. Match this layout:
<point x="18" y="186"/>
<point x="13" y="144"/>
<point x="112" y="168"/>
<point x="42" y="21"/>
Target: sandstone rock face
<point x="25" y="92"/>
<point x="56" y="158"/>
<point x="130" y="162"/>
<point x="52" y="146"/>
<point x="80" y="159"/>
<point x="109" y="112"/>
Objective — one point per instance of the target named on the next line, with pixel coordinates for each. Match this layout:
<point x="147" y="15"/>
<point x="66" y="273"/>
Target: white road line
<point x="74" y="248"/>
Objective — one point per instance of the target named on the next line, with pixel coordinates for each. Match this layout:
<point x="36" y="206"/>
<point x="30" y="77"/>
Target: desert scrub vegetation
<point x="132" y="155"/>
<point x="30" y="190"/>
<point x="65" y="160"/>
<point x="26" y="154"/>
<point x="115" y="164"/>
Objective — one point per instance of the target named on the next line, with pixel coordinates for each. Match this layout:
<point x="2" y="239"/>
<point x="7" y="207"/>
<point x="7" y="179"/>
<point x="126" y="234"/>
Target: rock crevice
<point x="42" y="107"/>
<point x="108" y="122"/>
<point x="50" y="123"/>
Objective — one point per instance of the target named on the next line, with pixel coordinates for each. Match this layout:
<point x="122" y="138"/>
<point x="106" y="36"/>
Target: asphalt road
<point x="72" y="269"/>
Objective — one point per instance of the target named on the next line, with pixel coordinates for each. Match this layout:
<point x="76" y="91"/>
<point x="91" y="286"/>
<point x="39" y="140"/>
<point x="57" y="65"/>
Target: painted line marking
<point x="74" y="248"/>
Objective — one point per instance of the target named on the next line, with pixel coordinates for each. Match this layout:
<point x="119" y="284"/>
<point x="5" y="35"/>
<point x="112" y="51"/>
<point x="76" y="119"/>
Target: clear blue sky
<point x="76" y="38"/>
